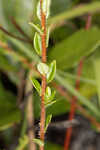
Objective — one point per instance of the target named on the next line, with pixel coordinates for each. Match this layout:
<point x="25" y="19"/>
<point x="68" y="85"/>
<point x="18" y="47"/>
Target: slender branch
<point x="13" y="36"/>
<point x="21" y="30"/>
<point x="74" y="99"/>
<point x="43" y="37"/>
<point x="73" y="108"/>
<point x="88" y="22"/>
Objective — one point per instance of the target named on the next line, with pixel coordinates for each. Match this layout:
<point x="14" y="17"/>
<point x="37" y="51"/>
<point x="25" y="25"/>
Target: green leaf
<point x="49" y="97"/>
<point x="47" y="37"/>
<point x="45" y="8"/>
<point x="36" y="85"/>
<point x="48" y="120"/>
<point x="52" y="71"/>
<point x="50" y="103"/>
<point x="77" y="11"/>
<point x="96" y="63"/>
<point x="36" y="27"/>
<point x="80" y="98"/>
<point x="43" y="68"/>
<point x="39" y="142"/>
<point x="60" y="106"/>
<point x="38" y="11"/>
<point x="48" y="92"/>
<point x="69" y="52"/>
<point x="23" y="141"/>
<point x="37" y="44"/>
<point x="52" y="95"/>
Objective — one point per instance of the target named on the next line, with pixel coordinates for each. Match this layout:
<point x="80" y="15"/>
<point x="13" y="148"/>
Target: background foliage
<point x="69" y="43"/>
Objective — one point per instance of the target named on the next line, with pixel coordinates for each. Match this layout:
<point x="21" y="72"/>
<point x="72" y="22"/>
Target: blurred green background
<point x="69" y="43"/>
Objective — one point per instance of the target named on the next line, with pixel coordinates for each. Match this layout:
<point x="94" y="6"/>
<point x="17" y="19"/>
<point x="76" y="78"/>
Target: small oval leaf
<point x="47" y="37"/>
<point x="36" y="85"/>
<point x="48" y="120"/>
<point x="49" y="97"/>
<point x="37" y="44"/>
<point x="36" y="28"/>
<point x="52" y="71"/>
<point x="48" y="92"/>
<point x="50" y="103"/>
<point x="52" y="95"/>
<point x="38" y="11"/>
<point x="43" y="68"/>
<point x="45" y="8"/>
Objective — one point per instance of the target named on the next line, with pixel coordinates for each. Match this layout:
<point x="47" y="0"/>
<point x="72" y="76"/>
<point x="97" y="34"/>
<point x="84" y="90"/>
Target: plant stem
<point x="73" y="108"/>
<point x="43" y="37"/>
<point x="74" y="99"/>
<point x="13" y="36"/>
<point x="21" y="30"/>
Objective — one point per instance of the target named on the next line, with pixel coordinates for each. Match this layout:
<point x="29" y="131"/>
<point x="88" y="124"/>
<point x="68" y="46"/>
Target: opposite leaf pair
<point x="49" y="71"/>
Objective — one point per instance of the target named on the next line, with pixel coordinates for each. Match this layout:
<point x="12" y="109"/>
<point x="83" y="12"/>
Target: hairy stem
<point x="43" y="37"/>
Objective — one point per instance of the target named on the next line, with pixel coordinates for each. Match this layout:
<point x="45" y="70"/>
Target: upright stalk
<point x="43" y="39"/>
<point x="73" y="107"/>
<point x="74" y="99"/>
<point x="47" y="72"/>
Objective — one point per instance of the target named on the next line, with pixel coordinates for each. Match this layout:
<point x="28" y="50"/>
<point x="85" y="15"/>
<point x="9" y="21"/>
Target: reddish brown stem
<point x="88" y="22"/>
<point x="13" y="36"/>
<point x="43" y="37"/>
<point x="73" y="108"/>
<point x="74" y="99"/>
<point x="20" y="29"/>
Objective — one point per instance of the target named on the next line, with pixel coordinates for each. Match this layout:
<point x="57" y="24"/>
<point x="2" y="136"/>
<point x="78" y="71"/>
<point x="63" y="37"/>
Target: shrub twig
<point x="43" y="37"/>
<point x="13" y="36"/>
<point x="74" y="99"/>
<point x="21" y="30"/>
